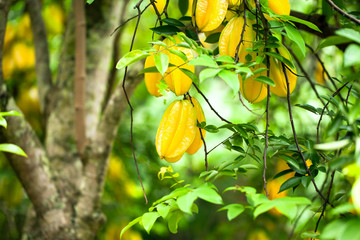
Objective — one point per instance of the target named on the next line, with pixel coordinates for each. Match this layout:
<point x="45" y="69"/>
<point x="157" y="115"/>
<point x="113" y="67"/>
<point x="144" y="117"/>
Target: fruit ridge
<point x="152" y="79"/>
<point x="176" y="131"/>
<point x="231" y="36"/>
<point x="177" y="80"/>
<point x="252" y="90"/>
<point x="209" y="14"/>
<point x="198" y="142"/>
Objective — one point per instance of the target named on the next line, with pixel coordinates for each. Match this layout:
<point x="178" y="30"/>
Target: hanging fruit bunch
<point x="239" y="37"/>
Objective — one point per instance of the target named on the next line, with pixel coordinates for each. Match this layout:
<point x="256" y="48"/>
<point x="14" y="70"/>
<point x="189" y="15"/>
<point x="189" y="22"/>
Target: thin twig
<point x="129" y="19"/>
<point x="241" y="39"/>
<point x="306" y="75"/>
<point x="322" y="112"/>
<point x="266" y="32"/>
<point x="266" y="140"/>
<point x="222" y="142"/>
<point x="211" y="107"/>
<point x="325" y="69"/>
<point x="327" y="200"/>
<point x="247" y="108"/>
<point x="343" y="13"/>
<point x="129" y="104"/>
<point x="295" y="136"/>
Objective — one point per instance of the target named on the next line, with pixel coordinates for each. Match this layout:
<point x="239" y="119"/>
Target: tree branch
<point x="43" y="73"/>
<point x="80" y="75"/>
<point x="34" y="175"/>
<point x="100" y="148"/>
<point x="343" y="13"/>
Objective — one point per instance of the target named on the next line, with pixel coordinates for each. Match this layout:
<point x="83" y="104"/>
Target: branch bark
<point x="80" y="75"/>
<point x="343" y="13"/>
<point x="35" y="176"/>
<point x="99" y="150"/>
<point x="43" y="73"/>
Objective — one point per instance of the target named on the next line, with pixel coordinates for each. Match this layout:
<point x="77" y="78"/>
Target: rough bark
<point x="64" y="191"/>
<point x="43" y="73"/>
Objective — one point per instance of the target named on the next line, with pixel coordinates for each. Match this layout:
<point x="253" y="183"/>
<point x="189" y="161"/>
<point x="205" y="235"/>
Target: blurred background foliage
<point x="122" y="197"/>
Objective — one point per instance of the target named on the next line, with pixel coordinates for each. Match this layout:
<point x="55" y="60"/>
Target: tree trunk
<point x="66" y="191"/>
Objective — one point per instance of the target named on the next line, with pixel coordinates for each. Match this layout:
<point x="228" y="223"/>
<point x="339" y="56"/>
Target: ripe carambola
<point x="152" y="79"/>
<point x="209" y="14"/>
<point x="278" y="76"/>
<point x="177" y="130"/>
<point x="231" y="36"/>
<point x="177" y="80"/>
<point x="281" y="7"/>
<point x="198" y="142"/>
<point x="252" y="90"/>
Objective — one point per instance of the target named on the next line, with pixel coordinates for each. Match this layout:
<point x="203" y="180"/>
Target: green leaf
<point x="331" y="41"/>
<point x="280" y="58"/>
<point x="306" y="23"/>
<point x="3" y="122"/>
<point x="173" y="220"/>
<point x="291" y="162"/>
<point x="163" y="209"/>
<point x="265" y="80"/>
<point x="191" y="75"/>
<point x="264" y="207"/>
<point x="332" y="145"/>
<point x="12" y="148"/>
<point x="333" y="230"/>
<point x="349" y="33"/>
<point x="178" y="53"/>
<point x="89" y="1"/>
<point x="176" y="193"/>
<point x="186" y="201"/>
<point x="208" y="194"/>
<point x="183" y="6"/>
<point x="204" y="60"/>
<point x="149" y="70"/>
<point x="233" y="210"/>
<point x="132" y="223"/>
<point x="173" y="22"/>
<point x="208" y="73"/>
<point x="225" y="59"/>
<point x="166" y="29"/>
<point x="291" y="182"/>
<point x="211" y="128"/>
<point x="131" y="57"/>
<point x="213" y="38"/>
<point x="352" y="55"/>
<point x="310" y="235"/>
<point x="296" y="37"/>
<point x="231" y="79"/>
<point x="308" y="107"/>
<point x="10" y="113"/>
<point x="161" y="62"/>
<point x="148" y="220"/>
<point x="160" y="43"/>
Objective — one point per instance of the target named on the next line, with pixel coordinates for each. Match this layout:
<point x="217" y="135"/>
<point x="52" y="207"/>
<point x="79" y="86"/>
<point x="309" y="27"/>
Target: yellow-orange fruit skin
<point x="152" y="79"/>
<point x="231" y="36"/>
<point x="252" y="90"/>
<point x="281" y="7"/>
<point x="176" y="131"/>
<point x="178" y="82"/>
<point x="209" y="14"/>
<point x="234" y="3"/>
<point x="198" y="142"/>
<point x="278" y="76"/>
